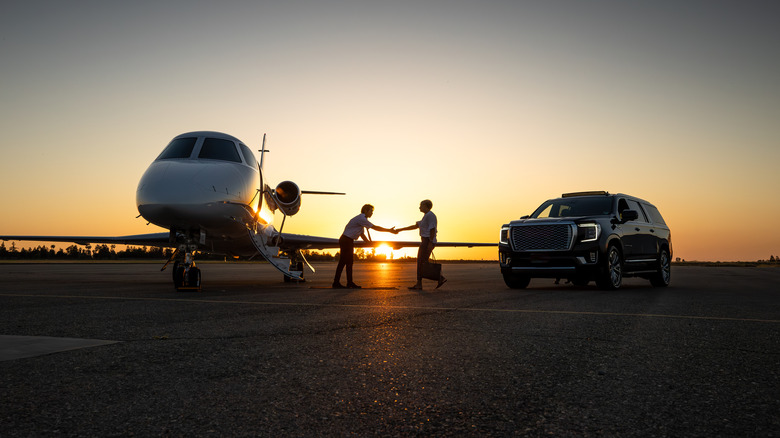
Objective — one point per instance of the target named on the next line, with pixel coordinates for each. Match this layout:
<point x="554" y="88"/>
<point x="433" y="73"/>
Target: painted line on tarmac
<point x="344" y="287"/>
<point x="375" y="306"/>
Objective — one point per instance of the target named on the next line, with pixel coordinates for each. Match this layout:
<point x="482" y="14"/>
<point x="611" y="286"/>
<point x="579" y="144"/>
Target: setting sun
<point x="385" y="250"/>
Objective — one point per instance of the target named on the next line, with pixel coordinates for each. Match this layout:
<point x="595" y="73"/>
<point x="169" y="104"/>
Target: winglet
<point x="314" y="192"/>
<point x="262" y="151"/>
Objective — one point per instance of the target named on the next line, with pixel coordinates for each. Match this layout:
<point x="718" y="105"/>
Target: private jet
<point x="207" y="189"/>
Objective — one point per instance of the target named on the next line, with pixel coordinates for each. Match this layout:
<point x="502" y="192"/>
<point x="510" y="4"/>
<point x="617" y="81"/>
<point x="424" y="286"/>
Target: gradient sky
<point x="488" y="108"/>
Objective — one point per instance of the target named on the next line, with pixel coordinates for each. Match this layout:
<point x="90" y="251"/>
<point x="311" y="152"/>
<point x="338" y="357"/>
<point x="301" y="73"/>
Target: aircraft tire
<point x="193" y="279"/>
<point x="178" y="276"/>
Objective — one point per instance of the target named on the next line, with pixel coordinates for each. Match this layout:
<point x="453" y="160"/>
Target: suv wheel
<point x="664" y="274"/>
<point x="612" y="271"/>
<point x="517" y="281"/>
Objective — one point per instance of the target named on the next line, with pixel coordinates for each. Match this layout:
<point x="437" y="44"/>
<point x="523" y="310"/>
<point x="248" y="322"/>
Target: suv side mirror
<point x="629" y="215"/>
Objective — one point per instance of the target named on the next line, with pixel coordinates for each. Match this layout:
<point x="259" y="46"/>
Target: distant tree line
<point x="772" y="260"/>
<point x="110" y="252"/>
<point x="78" y="252"/>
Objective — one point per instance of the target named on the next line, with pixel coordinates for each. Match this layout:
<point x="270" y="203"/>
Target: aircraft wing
<point x="289" y="241"/>
<point x="404" y="244"/>
<point x="300" y="241"/>
<point x="154" y="239"/>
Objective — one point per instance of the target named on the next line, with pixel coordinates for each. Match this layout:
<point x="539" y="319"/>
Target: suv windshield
<point x="573" y="207"/>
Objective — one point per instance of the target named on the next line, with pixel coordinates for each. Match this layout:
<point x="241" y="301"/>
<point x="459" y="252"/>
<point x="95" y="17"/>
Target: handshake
<point x="393" y="230"/>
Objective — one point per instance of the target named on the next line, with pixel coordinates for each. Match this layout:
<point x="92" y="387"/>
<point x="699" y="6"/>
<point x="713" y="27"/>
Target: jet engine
<point x="287" y="197"/>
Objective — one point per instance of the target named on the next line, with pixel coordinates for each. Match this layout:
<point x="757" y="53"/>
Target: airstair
<point x="266" y="240"/>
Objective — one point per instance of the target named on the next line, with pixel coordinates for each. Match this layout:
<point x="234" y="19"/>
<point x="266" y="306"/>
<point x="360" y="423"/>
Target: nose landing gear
<point x="186" y="276"/>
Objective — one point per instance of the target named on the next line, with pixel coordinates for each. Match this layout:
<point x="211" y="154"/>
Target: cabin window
<point x="249" y="157"/>
<point x="178" y="148"/>
<point x="219" y="149"/>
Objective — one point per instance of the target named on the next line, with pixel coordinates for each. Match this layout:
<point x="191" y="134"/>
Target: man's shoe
<point x="338" y="286"/>
<point x="353" y="286"/>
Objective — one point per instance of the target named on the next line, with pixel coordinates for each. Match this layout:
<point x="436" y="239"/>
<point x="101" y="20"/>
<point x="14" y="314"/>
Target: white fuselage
<point x="202" y="188"/>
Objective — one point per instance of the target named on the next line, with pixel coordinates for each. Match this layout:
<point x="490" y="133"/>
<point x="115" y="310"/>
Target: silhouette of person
<point x="354" y="229"/>
<point x="427" y="226"/>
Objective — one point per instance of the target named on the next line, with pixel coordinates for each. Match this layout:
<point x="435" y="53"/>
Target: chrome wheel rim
<point x="615" y="268"/>
<point x="666" y="267"/>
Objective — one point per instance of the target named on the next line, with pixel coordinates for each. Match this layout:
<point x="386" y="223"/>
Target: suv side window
<point x="654" y="214"/>
<point x="633" y="205"/>
<point x="622" y="205"/>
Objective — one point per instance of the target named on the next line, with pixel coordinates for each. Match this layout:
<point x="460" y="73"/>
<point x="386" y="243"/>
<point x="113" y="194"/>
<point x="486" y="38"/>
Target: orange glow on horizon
<point x="384" y="250"/>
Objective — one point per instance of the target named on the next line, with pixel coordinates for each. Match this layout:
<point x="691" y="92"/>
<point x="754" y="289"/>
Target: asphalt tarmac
<point x="250" y="355"/>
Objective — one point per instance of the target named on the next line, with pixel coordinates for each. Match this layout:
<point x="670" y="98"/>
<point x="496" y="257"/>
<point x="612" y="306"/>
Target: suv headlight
<point x="588" y="232"/>
<point x="504" y="237"/>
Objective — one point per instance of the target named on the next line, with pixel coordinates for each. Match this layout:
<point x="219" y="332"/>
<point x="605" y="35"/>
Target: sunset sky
<point x="488" y="108"/>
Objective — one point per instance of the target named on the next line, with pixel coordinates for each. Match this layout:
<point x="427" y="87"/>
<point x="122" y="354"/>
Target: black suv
<point x="587" y="236"/>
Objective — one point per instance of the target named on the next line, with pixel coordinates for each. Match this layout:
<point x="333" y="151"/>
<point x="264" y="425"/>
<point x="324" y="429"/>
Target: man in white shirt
<point x="427" y="226"/>
<point x="354" y="229"/>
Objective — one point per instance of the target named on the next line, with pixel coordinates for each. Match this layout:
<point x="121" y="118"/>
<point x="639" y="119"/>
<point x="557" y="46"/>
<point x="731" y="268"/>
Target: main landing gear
<point x="289" y="262"/>
<point x="186" y="275"/>
<point x="296" y="267"/>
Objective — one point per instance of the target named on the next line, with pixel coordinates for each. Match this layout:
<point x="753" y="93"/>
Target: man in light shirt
<point x="428" y="232"/>
<point x="354" y="229"/>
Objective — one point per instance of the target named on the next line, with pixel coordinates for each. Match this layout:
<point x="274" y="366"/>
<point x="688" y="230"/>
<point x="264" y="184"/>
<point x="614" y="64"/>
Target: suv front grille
<point x="550" y="237"/>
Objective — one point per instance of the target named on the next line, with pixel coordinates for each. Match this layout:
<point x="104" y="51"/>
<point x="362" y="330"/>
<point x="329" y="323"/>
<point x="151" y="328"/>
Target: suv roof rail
<point x="592" y="193"/>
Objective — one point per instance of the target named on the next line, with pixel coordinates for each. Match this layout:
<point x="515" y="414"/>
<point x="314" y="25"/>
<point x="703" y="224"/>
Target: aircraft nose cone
<point x="187" y="183"/>
<point x="166" y="183"/>
<point x="176" y="192"/>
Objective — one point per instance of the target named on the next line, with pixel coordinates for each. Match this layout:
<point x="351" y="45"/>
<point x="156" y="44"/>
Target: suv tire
<point x="664" y="274"/>
<point x="612" y="273"/>
<point x="517" y="281"/>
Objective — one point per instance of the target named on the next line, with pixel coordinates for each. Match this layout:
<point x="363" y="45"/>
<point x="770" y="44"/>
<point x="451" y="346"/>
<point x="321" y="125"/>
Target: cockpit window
<point x="178" y="148"/>
<point x="219" y="149"/>
<point x="249" y="157"/>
